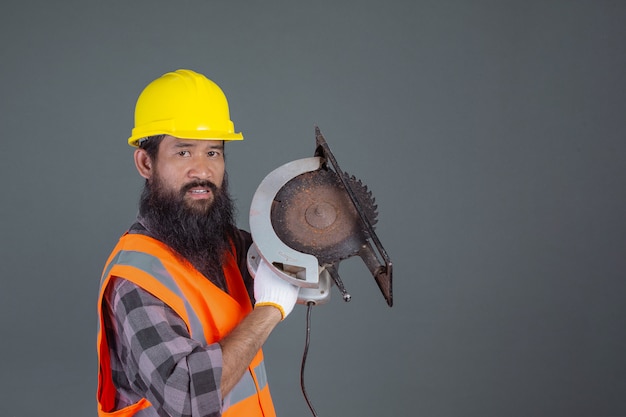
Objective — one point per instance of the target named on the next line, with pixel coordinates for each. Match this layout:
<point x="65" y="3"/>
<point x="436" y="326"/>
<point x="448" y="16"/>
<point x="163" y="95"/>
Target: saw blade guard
<point x="298" y="268"/>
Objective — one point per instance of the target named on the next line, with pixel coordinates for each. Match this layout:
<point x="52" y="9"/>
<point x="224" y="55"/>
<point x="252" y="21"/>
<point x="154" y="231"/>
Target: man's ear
<point x="143" y="163"/>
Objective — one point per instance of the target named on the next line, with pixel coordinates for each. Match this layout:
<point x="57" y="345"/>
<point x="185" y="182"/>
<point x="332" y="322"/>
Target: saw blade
<point x="312" y="213"/>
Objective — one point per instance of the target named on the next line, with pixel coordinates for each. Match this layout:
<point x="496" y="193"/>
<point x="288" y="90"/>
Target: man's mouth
<point x="199" y="193"/>
<point x="200" y="190"/>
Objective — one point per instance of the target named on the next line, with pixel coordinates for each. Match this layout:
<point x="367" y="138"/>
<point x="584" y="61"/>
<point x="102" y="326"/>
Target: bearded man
<point x="181" y="320"/>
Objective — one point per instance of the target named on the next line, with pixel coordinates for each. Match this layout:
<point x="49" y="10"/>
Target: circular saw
<point x="306" y="217"/>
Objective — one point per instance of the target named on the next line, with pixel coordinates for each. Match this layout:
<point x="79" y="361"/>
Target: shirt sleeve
<point x="156" y="356"/>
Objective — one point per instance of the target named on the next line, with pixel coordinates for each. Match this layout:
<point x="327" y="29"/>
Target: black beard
<point x="200" y="233"/>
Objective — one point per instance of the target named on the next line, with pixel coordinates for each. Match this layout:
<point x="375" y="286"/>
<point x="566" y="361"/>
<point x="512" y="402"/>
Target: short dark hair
<point x="151" y="145"/>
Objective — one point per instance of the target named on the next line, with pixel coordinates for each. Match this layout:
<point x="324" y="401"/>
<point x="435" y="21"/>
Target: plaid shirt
<point x="153" y="355"/>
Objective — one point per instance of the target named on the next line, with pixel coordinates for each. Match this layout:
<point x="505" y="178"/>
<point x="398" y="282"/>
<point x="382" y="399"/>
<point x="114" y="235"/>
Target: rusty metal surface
<point x="313" y="214"/>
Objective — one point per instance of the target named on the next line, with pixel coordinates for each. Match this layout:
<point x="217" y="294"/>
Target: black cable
<point x="310" y="305"/>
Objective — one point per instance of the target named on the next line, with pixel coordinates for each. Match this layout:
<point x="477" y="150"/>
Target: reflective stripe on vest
<point x="153" y="266"/>
<point x="245" y="387"/>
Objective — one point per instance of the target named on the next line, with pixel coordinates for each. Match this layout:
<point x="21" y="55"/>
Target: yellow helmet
<point x="184" y="104"/>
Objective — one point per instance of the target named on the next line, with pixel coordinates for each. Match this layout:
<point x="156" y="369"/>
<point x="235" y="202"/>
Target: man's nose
<point x="201" y="169"/>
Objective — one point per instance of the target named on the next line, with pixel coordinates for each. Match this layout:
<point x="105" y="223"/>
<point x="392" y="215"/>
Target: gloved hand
<point x="270" y="289"/>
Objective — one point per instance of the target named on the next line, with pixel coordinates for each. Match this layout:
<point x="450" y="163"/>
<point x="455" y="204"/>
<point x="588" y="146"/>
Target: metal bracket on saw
<point x="308" y="215"/>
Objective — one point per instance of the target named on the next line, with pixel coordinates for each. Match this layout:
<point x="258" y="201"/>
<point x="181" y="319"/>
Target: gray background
<point x="492" y="136"/>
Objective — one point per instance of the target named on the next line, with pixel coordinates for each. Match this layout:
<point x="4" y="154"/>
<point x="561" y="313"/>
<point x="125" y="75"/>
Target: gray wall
<point x="492" y="136"/>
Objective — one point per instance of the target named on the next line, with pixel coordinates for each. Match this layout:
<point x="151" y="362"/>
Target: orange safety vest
<point x="209" y="312"/>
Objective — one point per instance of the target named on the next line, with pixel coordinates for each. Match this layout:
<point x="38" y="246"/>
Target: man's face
<point x="192" y="170"/>
<point x="185" y="201"/>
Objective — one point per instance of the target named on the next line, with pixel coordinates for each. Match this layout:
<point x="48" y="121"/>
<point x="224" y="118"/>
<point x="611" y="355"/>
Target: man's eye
<point x="184" y="153"/>
<point x="213" y="154"/>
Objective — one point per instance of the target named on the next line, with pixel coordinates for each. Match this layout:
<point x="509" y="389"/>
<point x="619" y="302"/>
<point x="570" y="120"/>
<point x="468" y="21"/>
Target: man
<point x="178" y="333"/>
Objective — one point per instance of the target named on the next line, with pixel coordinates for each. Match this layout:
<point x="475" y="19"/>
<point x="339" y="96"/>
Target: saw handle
<point x="319" y="293"/>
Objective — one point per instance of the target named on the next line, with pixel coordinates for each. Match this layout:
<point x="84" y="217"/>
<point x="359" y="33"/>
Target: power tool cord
<point x="310" y="305"/>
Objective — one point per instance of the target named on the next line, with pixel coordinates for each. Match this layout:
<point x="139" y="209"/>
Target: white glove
<point x="270" y="289"/>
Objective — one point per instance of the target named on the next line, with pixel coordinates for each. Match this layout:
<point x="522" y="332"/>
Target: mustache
<point x="199" y="183"/>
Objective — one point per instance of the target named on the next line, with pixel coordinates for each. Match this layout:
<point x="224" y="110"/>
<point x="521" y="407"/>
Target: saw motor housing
<point x="306" y="216"/>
